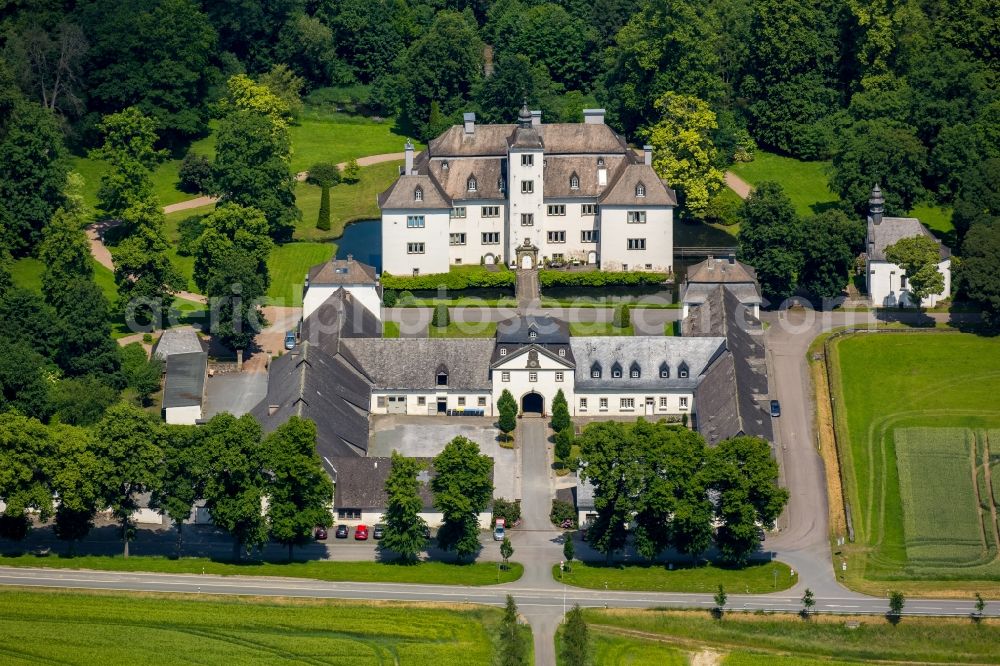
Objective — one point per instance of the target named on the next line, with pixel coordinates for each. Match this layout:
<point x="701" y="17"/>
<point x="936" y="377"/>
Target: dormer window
<point x="616" y="371"/>
<point x="503" y="351"/>
<point x="562" y="353"/>
<point x="444" y="165"/>
<point x="600" y="162"/>
<point x="532" y="335"/>
<point x="471" y="184"/>
<point x="682" y="371"/>
<point x="574" y="182"/>
<point x="418" y="194"/>
<point x="634" y="371"/>
<point x="664" y="371"/>
<point x="595" y="371"/>
<point x="640" y="190"/>
<point x="442" y="375"/>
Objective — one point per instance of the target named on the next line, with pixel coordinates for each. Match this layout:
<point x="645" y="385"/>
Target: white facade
<point x="521" y="375"/>
<point x="887" y="285"/>
<point x="653" y="404"/>
<point x="429" y="403"/>
<point x="434" y="519"/>
<point x="366" y="294"/>
<point x="632" y="245"/>
<point x="415" y="241"/>
<point x="188" y="415"/>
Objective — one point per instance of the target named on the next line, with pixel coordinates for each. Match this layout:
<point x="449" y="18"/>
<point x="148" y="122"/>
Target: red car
<point x="361" y="533"/>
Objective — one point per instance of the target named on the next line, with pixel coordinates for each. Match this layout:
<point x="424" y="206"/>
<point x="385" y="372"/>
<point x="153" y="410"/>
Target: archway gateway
<point x="533" y="404"/>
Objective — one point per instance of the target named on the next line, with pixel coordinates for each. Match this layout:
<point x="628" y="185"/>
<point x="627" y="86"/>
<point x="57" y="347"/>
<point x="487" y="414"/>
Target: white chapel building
<point x="524" y="194"/>
<point x="886" y="281"/>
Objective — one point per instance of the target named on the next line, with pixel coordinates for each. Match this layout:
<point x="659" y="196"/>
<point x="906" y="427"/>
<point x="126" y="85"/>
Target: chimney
<point x="647" y="155"/>
<point x="593" y="116"/>
<point x="350" y="257"/>
<point x="408" y="153"/>
<point x="732" y="258"/>
<point x="536" y="118"/>
<point x="469" y="120"/>
<point x="271" y="409"/>
<point x="876" y="205"/>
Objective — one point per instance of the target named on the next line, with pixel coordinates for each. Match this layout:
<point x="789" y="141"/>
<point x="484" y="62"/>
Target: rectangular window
<point x="527" y="219"/>
<point x="461" y="401"/>
<point x="458" y="211"/>
<point x="634" y="374"/>
<point x="636" y="217"/>
<point x="589" y="236"/>
<point x="414" y="221"/>
<point x="556" y="209"/>
<point x="527" y="160"/>
<point x="456" y="239"/>
<point x="559" y="376"/>
<point x="490" y="211"/>
<point x="628" y="403"/>
<point x="663" y="403"/>
<point x="380" y="401"/>
<point x="491" y="238"/>
<point x="684" y="403"/>
<point x="481" y="401"/>
<point x="588" y="209"/>
<point x="505" y="376"/>
<point x="532" y="376"/>
<point x="421" y="401"/>
<point x="527" y="186"/>
<point x="583" y="404"/>
<point x="414" y="248"/>
<point x="557" y="236"/>
<point x="637" y="243"/>
<point x="604" y="404"/>
<point x="349" y="514"/>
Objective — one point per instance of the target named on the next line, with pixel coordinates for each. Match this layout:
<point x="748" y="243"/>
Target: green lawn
<point x="91" y="628"/>
<point x="608" y="650"/>
<point x="288" y="265"/>
<point x="805" y="183"/>
<point x="322" y="137"/>
<point x="428" y="573"/>
<point x="786" y="640"/>
<point x="390" y="329"/>
<point x="598" y="328"/>
<point x="348" y="202"/>
<point x="754" y="579"/>
<point x="26" y="273"/>
<point x="921" y="380"/>
<point x="456" y="329"/>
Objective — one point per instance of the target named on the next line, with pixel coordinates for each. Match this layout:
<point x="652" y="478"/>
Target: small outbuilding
<point x="184" y="389"/>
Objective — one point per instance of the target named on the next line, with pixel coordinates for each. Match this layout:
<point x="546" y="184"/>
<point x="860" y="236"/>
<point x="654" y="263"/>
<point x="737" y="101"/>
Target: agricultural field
<point x="168" y="629"/>
<point x="914" y="460"/>
<point x="653" y="637"/>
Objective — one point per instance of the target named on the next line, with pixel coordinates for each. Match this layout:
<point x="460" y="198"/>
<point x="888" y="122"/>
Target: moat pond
<point x="363" y="241"/>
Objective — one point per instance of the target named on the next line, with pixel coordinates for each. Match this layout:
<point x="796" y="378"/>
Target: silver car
<point x="499" y="533"/>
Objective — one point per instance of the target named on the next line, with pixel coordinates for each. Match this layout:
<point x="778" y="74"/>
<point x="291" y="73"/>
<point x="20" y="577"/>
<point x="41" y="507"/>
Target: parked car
<point x="342" y="532"/>
<point x="775" y="409"/>
<point x="320" y="533"/>
<point x="378" y="532"/>
<point x="361" y="533"/>
<point x="290" y="340"/>
<point x="499" y="533"/>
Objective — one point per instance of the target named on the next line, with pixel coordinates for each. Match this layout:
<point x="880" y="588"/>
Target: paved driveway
<point x="234" y="392"/>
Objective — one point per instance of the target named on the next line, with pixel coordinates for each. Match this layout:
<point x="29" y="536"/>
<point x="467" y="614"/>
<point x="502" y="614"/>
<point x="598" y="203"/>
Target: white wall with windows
<point x="637" y="239"/>
<point x="547" y="379"/>
<point x="415" y="241"/>
<point x="632" y="403"/>
<point x="482" y="223"/>
<point x="525" y="192"/>
<point x="887" y="285"/>
<point x="428" y="402"/>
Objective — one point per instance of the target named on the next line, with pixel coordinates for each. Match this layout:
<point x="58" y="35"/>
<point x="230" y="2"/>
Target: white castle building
<point x="525" y="194"/>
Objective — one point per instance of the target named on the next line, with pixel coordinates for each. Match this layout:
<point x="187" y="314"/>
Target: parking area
<point x="234" y="392"/>
<point x="425" y="437"/>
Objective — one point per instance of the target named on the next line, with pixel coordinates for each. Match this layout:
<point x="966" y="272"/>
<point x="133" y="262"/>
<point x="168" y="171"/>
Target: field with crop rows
<point x="914" y="494"/>
<point x="940" y="504"/>
<point x="162" y="629"/>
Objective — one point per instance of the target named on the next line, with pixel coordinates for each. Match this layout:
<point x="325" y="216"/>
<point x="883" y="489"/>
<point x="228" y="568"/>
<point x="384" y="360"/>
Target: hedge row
<point x="455" y="280"/>
<point x="599" y="279"/>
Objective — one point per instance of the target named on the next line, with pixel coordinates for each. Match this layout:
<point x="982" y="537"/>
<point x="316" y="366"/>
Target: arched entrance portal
<point x="527" y="262"/>
<point x="533" y="404"/>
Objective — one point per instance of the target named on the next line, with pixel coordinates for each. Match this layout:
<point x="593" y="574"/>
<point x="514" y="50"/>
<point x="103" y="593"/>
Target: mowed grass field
<point x="758" y="578"/>
<point x="631" y="636"/>
<point x="95" y="628"/>
<point x="912" y="409"/>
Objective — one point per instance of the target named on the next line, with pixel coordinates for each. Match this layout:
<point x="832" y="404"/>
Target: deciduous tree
<point x="142" y="373"/>
<point x="181" y="477"/>
<point x="128" y="444"/>
<point x="129" y="150"/>
<point x="513" y="650"/>
<point x="24" y="382"/>
<point x="575" y="650"/>
<point x="615" y="467"/>
<point x="463" y="487"/>
<point x="65" y="252"/>
<point x="300" y="494"/>
<point x="85" y="346"/>
<point x="77" y="481"/>
<point x="404" y="528"/>
<point x="830" y="243"/>
<point x="979" y="273"/>
<point x="28" y="458"/>
<point x="770" y="239"/>
<point x="145" y="277"/>
<point x="232" y="229"/>
<point x="919" y="257"/>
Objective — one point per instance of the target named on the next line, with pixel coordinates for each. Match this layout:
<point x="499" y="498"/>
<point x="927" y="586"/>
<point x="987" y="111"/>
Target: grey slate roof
<point x="621" y="192"/>
<point x="339" y="316"/>
<point x="559" y="138"/>
<point x="412" y="363"/>
<point x="342" y="271"/>
<point x="893" y="229"/>
<point x="360" y="482"/>
<point x="185" y="382"/>
<point x="400" y="194"/>
<point x="455" y="179"/>
<point x="650" y="352"/>
<point x="526" y="137"/>
<point x="180" y="340"/>
<point x="716" y="270"/>
<point x="518" y="330"/>
<point x="328" y="389"/>
<point x="698" y="292"/>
